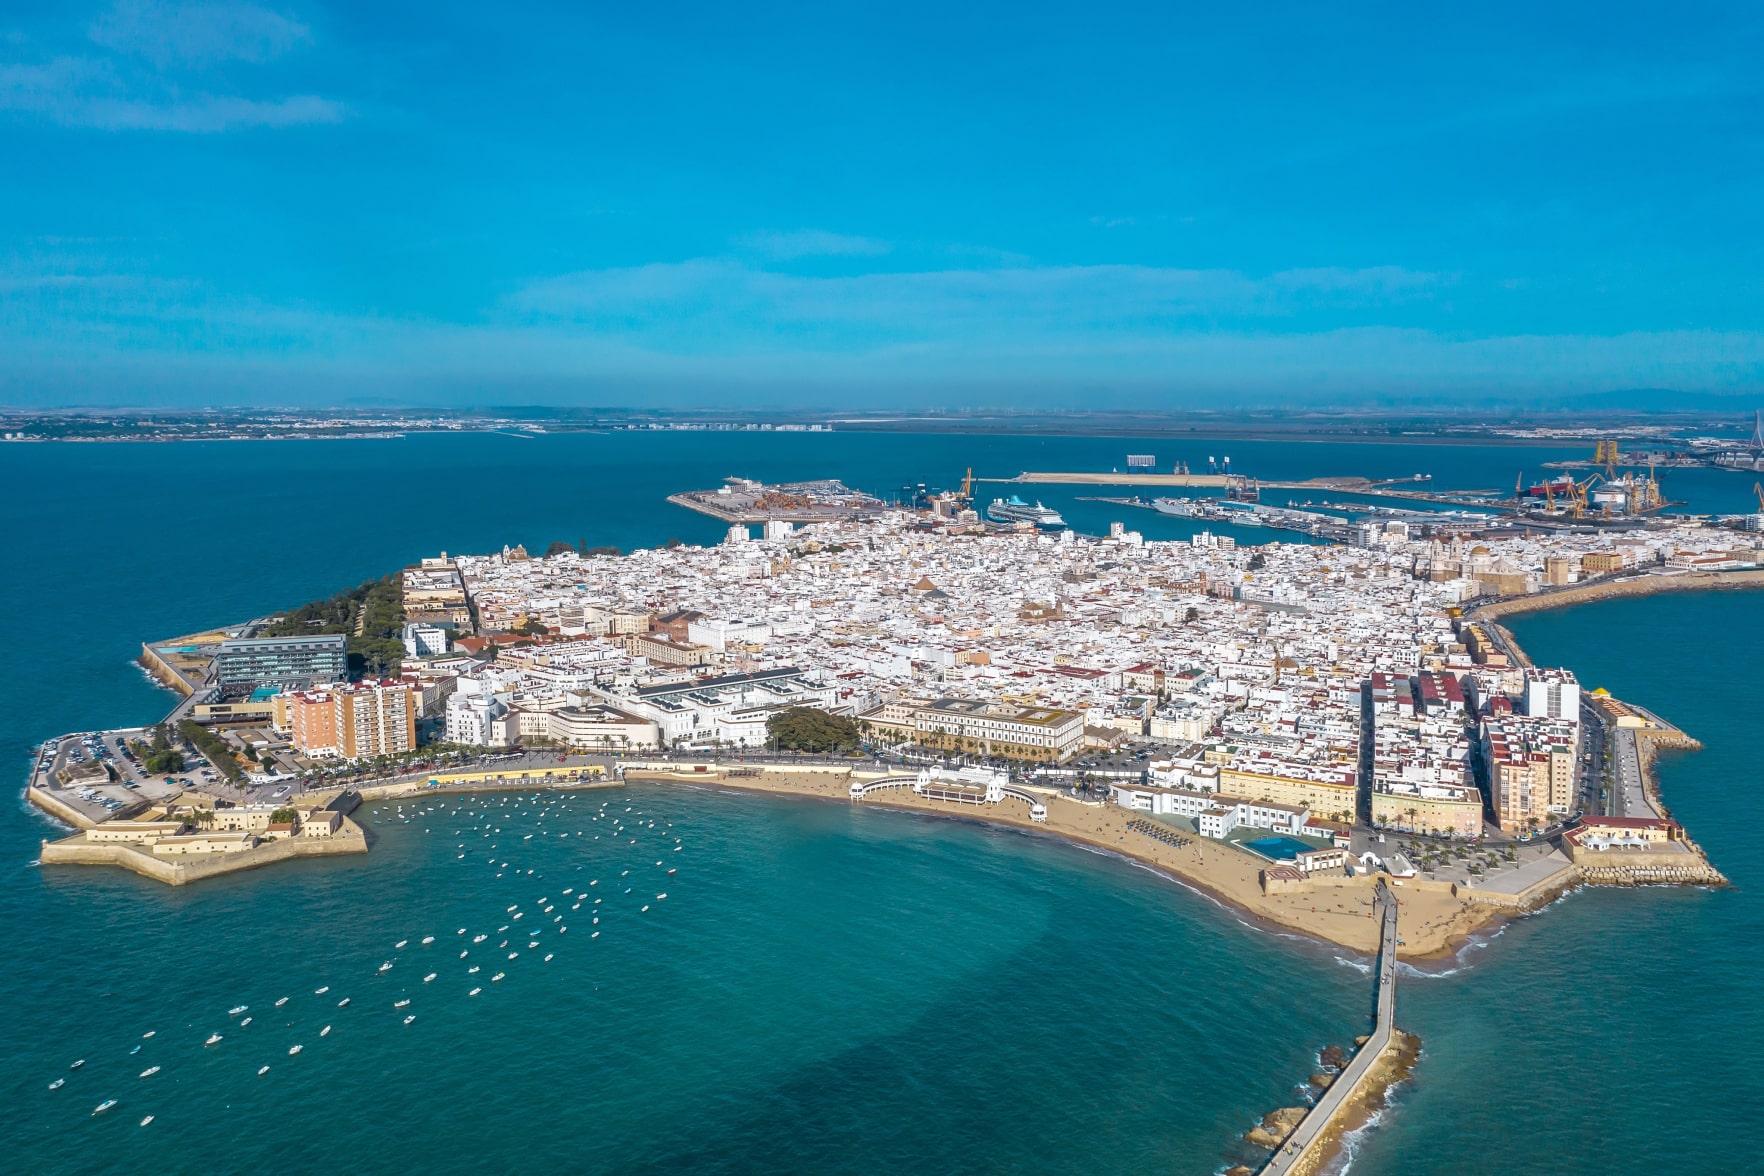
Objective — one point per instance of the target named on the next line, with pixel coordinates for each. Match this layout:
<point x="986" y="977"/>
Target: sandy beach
<point x="1435" y="923"/>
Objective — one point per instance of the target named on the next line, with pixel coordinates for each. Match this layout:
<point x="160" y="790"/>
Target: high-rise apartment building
<point x="354" y="720"/>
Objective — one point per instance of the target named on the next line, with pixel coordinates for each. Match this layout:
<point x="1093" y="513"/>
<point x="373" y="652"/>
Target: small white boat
<point x="236" y="1010"/>
<point x="514" y="955"/>
<point x="479" y="938"/>
<point x="344" y="1003"/>
<point x="428" y="978"/>
<point x="398" y="1004"/>
<point x="245" y="1022"/>
<point x="58" y="1084"/>
<point x="532" y="943"/>
<point x="461" y="931"/>
<point x="673" y="871"/>
<point x="386" y="967"/>
<point x="213" y="1039"/>
<point x="661" y="896"/>
<point x="134" y="1051"/>
<point x="150" y="1071"/>
<point x="548" y="958"/>
<point x="146" y="1120"/>
<point x="594" y="935"/>
<point x="472" y="971"/>
<point x="281" y="1002"/>
<point x="410" y="1018"/>
<point x="104" y="1106"/>
<point x="77" y="1064"/>
<point x="464" y="954"/>
<point x="325" y="1032"/>
<point x="496" y="977"/>
<point x="427" y="939"/>
<point x="148" y="1034"/>
<point x="321" y="991"/>
<point x="399" y="946"/>
<point x="645" y="907"/>
<point x="474" y="992"/>
<point x="262" y="1070"/>
<point x="294" y="1049"/>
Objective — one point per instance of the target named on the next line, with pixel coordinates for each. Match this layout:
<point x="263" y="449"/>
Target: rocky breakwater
<point x="1371" y="1097"/>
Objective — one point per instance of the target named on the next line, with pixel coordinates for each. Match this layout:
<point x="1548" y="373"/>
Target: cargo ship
<point x="1560" y="485"/>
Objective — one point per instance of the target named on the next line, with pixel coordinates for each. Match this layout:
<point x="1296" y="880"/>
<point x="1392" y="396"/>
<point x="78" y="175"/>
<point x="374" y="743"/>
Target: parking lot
<point x="96" y="774"/>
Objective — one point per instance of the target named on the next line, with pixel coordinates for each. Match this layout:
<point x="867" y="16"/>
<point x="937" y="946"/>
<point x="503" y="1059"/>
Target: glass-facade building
<point x="282" y="661"/>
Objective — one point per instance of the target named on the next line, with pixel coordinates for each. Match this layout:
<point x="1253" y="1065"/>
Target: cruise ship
<point x="1015" y="510"/>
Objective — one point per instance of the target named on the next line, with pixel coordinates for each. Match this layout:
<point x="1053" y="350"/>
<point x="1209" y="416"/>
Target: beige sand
<point x="1434" y="923"/>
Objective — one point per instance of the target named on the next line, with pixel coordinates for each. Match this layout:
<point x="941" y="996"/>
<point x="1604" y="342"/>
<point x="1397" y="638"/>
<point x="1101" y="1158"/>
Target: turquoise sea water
<point x="824" y="988"/>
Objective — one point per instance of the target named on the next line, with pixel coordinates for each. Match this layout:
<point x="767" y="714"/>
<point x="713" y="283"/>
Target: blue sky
<point x="838" y="204"/>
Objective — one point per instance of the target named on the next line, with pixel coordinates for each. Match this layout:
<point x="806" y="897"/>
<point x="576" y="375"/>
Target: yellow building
<point x="1008" y="730"/>
<point x="1328" y="791"/>
<point x="1437" y="810"/>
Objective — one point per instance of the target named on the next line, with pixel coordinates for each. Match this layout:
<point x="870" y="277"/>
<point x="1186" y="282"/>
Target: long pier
<point x="1299" y="1153"/>
<point x="1367" y="487"/>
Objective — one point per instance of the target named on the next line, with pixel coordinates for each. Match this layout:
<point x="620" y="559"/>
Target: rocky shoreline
<point x="1373" y="1096"/>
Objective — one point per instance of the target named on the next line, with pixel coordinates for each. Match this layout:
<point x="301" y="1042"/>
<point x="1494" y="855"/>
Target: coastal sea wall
<point x="1640" y="586"/>
<point x="77" y="851"/>
<point x="1492" y="612"/>
<point x="162" y="673"/>
<point x="53" y="805"/>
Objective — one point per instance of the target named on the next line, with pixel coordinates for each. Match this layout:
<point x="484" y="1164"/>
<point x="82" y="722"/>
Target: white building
<point x="472" y="719"/>
<point x="422" y="640"/>
<point x="1552" y="694"/>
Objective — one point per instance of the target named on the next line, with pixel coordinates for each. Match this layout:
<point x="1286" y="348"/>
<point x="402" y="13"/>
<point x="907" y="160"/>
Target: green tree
<point x="559" y="547"/>
<point x="802" y="728"/>
<point x="370" y="615"/>
<point x="284" y="816"/>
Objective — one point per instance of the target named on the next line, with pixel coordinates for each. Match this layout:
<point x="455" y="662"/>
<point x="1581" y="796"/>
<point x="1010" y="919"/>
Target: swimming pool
<point x="1278" y="849"/>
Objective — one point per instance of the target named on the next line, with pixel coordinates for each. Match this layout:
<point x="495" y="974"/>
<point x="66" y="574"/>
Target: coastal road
<point x="1305" y="1135"/>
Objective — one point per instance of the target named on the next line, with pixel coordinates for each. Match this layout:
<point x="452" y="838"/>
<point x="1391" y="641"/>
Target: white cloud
<point x="708" y="299"/>
<point x="1112" y="334"/>
<point x="197" y="33"/>
<point x="783" y="246"/>
<point x="80" y="92"/>
<point x="146" y="83"/>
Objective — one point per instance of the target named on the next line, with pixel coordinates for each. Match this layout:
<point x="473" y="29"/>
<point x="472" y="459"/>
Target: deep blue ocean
<point x="824" y="988"/>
